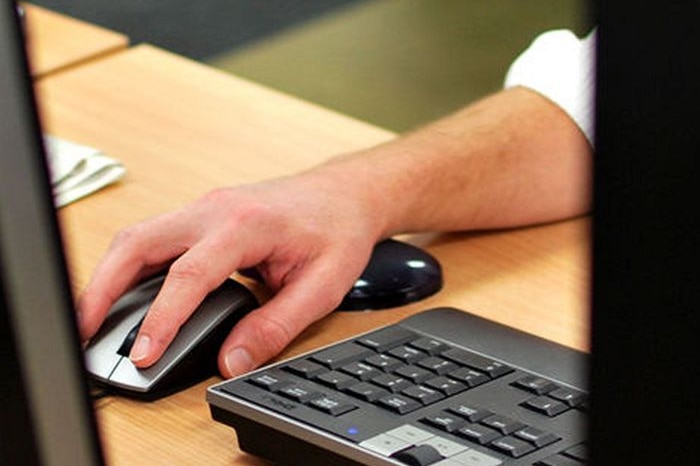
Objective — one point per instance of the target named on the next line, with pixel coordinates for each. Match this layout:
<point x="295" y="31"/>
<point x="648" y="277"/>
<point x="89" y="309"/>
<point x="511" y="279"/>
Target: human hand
<point x="308" y="236"/>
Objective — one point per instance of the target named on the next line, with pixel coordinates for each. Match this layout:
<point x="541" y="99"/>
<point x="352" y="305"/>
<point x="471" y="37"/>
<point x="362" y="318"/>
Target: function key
<point x="492" y="368"/>
<point x="386" y="338"/>
<point x="340" y="355"/>
<point x="536" y="385"/>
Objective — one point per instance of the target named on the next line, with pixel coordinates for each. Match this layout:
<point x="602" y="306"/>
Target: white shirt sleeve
<point x="561" y="67"/>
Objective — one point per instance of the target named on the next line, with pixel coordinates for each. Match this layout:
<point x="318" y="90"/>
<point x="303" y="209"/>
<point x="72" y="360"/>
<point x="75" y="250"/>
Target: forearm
<point x="511" y="159"/>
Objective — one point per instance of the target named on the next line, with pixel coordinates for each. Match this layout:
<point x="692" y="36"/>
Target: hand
<point x="308" y="236"/>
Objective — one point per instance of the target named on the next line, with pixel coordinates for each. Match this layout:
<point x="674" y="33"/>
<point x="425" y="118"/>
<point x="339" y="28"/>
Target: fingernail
<point x="140" y="349"/>
<point x="238" y="361"/>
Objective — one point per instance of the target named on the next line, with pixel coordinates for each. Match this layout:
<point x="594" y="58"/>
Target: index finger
<point x="190" y="278"/>
<point x="135" y="253"/>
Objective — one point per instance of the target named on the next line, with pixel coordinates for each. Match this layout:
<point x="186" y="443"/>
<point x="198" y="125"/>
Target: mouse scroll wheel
<point x="129" y="340"/>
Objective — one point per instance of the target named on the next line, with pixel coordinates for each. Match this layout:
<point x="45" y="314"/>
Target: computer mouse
<point x="398" y="273"/>
<point x="190" y="358"/>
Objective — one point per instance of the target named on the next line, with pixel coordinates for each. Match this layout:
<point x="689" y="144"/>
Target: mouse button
<point x="128" y="377"/>
<point x="100" y="363"/>
<point x="128" y="343"/>
<point x="229" y="298"/>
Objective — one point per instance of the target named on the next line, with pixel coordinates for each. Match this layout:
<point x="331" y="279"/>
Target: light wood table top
<point x="56" y="41"/>
<point x="182" y="129"/>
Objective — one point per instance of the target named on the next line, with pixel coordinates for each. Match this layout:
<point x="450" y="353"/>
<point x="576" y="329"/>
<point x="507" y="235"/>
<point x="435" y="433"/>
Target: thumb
<point x="265" y="332"/>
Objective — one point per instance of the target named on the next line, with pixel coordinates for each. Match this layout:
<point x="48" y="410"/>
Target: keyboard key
<point x="414" y="373"/>
<point x="512" y="446"/>
<point x="571" y="397"/>
<point x="490" y="367"/>
<point x="340" y="355"/>
<point x="399" y="404"/>
<point x="503" y="424"/>
<point x="298" y="392"/>
<point x="545" y="405"/>
<point x="469" y="376"/>
<point x="385" y="444"/>
<point x="429" y="345"/>
<point x="409" y="433"/>
<point x="445" y="422"/>
<point x="536" y="385"/>
<point x="478" y="434"/>
<point x="535" y="436"/>
<point x="337" y="380"/>
<point x="579" y="452"/>
<point x="366" y="391"/>
<point x="446" y="386"/>
<point x="474" y="458"/>
<point x="331" y="405"/>
<point x="470" y="413"/>
<point x="268" y="381"/>
<point x="391" y="382"/>
<point x="438" y="365"/>
<point x="423" y="394"/>
<point x="407" y="354"/>
<point x="305" y="368"/>
<point x="360" y="370"/>
<point x="445" y="447"/>
<point x="387" y="338"/>
<point x="384" y="362"/>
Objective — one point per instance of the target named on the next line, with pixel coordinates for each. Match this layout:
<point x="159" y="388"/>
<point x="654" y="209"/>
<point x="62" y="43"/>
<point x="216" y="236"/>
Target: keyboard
<point x="442" y="387"/>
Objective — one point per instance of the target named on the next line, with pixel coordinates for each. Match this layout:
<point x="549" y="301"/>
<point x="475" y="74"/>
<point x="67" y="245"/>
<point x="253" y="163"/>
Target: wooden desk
<point x="56" y="41"/>
<point x="182" y="129"/>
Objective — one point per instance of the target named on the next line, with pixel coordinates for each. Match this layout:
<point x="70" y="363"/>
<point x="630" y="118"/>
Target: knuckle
<point x="188" y="269"/>
<point x="128" y="236"/>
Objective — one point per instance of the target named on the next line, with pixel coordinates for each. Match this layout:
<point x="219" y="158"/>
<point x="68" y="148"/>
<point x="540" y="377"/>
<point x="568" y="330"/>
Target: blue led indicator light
<point x="353" y="431"/>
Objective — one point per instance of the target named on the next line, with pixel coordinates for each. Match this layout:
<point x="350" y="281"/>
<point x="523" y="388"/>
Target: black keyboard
<point x="442" y="388"/>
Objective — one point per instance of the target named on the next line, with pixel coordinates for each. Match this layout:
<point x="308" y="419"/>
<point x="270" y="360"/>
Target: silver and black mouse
<point x="190" y="358"/>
